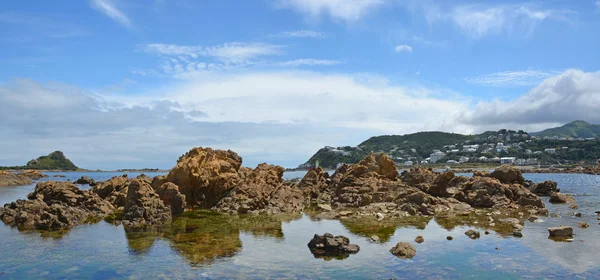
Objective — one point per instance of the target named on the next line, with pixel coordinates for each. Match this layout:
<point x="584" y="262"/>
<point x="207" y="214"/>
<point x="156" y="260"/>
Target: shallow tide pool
<point x="203" y="245"/>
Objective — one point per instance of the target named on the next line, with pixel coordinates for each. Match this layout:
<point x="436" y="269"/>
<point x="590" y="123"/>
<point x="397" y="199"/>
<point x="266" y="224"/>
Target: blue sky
<point x="118" y="84"/>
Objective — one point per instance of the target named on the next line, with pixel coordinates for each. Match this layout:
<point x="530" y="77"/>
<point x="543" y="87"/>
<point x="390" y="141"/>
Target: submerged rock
<point x="561" y="198"/>
<point x="473" y="234"/>
<point x="328" y="245"/>
<point x="404" y="250"/>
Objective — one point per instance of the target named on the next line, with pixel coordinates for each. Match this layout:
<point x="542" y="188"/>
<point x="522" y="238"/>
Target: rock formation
<point x="170" y="195"/>
<point x="404" y="250"/>
<point x="327" y="245"/>
<point x="85" y="180"/>
<point x="34" y="174"/>
<point x="113" y="190"/>
<point x="8" y="179"/>
<point x="54" y="206"/>
<point x="544" y="188"/>
<point x="143" y="206"/>
<point x="508" y="174"/>
<point x="561" y="198"/>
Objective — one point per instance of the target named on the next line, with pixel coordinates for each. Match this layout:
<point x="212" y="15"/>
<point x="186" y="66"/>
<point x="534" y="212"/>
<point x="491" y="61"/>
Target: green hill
<point x="54" y="161"/>
<point x="576" y="129"/>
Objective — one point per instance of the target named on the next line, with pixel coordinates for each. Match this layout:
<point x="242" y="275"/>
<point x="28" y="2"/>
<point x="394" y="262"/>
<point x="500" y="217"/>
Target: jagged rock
<point x="144" y="206"/>
<point x="53" y="206"/>
<point x="262" y="190"/>
<point x="404" y="250"/>
<point x="170" y="195"/>
<point x="489" y="192"/>
<point x="418" y="175"/>
<point x="313" y="183"/>
<point x="381" y="164"/>
<point x="473" y="234"/>
<point x="440" y="184"/>
<point x="34" y="174"/>
<point x="561" y="198"/>
<point x="328" y="245"/>
<point x="563" y="231"/>
<point x="205" y="175"/>
<point x="85" y="180"/>
<point x="8" y="179"/>
<point x="545" y="188"/>
<point x="113" y="190"/>
<point x="508" y="174"/>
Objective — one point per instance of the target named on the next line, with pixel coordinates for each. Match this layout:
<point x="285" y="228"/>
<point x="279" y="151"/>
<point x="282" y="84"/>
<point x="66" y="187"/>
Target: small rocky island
<point x="215" y="180"/>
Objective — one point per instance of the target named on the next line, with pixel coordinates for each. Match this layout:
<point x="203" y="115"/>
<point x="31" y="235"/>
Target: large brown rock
<point x="113" y="190"/>
<point x="561" y="198"/>
<point x="562" y="231"/>
<point x="205" y="175"/>
<point x="54" y="206"/>
<point x="508" y="174"/>
<point x="8" y="179"/>
<point x="144" y="206"/>
<point x="418" y="175"/>
<point x="170" y="195"/>
<point x="440" y="184"/>
<point x="489" y="192"/>
<point x="544" y="188"/>
<point x="313" y="183"/>
<point x="262" y="190"/>
<point x="34" y="174"/>
<point x="381" y="164"/>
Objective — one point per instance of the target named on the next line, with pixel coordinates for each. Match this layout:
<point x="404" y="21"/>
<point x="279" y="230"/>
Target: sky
<point x="135" y="84"/>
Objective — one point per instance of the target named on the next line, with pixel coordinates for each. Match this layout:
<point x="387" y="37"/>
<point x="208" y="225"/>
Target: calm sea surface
<point x="208" y="246"/>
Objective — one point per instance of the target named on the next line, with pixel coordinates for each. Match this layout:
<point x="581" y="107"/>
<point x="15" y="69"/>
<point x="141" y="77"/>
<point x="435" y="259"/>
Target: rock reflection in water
<point x="203" y="237"/>
<point x="384" y="229"/>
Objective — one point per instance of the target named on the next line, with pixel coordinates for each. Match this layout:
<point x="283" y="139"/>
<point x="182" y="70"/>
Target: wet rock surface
<point x="326" y="245"/>
<point x="404" y="250"/>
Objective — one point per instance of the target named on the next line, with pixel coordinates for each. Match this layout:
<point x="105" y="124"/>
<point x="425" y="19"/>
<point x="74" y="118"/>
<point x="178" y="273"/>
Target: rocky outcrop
<point x="381" y="164"/>
<point x="489" y="192"/>
<point x="85" y="180"/>
<point x="205" y="175"/>
<point x="54" y="206"/>
<point x="417" y="176"/>
<point x="404" y="250"/>
<point x="563" y="231"/>
<point x="508" y="174"/>
<point x="113" y="190"/>
<point x="328" y="245"/>
<point x="440" y="184"/>
<point x="561" y="198"/>
<point x="144" y="206"/>
<point x="170" y="195"/>
<point x="8" y="179"/>
<point x="262" y="190"/>
<point x="34" y="174"/>
<point x="544" y="188"/>
<point x="313" y="183"/>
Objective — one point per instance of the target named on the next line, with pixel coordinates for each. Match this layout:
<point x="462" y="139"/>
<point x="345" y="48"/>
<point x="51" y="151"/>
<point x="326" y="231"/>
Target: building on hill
<point x="451" y="162"/>
<point x="508" y="160"/>
<point x="463" y="159"/>
<point x="437" y="156"/>
<point x="408" y="163"/>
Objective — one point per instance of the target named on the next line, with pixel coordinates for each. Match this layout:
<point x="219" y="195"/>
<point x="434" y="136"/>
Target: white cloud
<point x="513" y="78"/>
<point x="108" y="8"/>
<point x="347" y="11"/>
<point x="303" y="34"/>
<point x="308" y="62"/>
<point x="404" y="48"/>
<point x="569" y="96"/>
<point x="228" y="52"/>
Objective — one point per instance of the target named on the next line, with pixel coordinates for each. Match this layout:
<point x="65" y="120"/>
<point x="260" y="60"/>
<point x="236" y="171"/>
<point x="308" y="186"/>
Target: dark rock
<point x="404" y="250"/>
<point x="85" y="180"/>
<point x="328" y="245"/>
<point x="544" y="188"/>
<point x="449" y="237"/>
<point x="517" y="234"/>
<point x="473" y="234"/>
<point x="562" y="231"/>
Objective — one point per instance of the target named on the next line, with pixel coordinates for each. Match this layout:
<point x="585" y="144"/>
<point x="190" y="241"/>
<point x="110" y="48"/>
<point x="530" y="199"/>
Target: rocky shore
<point x="215" y="180"/>
<point x="10" y="179"/>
